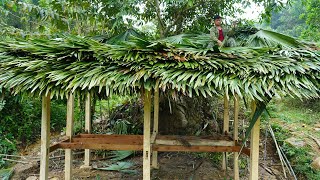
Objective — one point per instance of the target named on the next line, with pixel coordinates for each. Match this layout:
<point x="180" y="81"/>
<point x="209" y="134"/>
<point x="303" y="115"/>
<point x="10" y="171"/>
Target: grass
<point x="296" y="118"/>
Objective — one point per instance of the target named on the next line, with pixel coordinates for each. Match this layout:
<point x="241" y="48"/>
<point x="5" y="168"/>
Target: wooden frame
<point x="166" y="143"/>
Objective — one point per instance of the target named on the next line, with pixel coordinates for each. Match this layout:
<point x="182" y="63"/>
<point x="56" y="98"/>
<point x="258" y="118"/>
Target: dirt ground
<point x="173" y="166"/>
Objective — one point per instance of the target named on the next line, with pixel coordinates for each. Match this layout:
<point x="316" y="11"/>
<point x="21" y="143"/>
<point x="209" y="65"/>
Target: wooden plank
<point x="78" y="145"/>
<point x="194" y="142"/>
<point x="225" y="128"/>
<point x="146" y="136"/>
<point x="190" y="138"/>
<point x="69" y="133"/>
<point x="235" y="137"/>
<point x="166" y="148"/>
<point x="45" y="137"/>
<point x="254" y="148"/>
<point x="155" y="127"/>
<point x="87" y="152"/>
<point x="123" y="140"/>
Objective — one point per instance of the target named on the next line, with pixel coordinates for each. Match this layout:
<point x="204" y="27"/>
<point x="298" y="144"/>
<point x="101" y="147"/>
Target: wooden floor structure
<point x="150" y="142"/>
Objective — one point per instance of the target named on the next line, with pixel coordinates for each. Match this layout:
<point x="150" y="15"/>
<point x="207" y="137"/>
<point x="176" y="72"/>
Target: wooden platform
<point x="159" y="143"/>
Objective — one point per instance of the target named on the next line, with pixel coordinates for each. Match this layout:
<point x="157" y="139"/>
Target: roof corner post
<point x="146" y="135"/>
<point x="45" y="137"/>
<point x="69" y="133"/>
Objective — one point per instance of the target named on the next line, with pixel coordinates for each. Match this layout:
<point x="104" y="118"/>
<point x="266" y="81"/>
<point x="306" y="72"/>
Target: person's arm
<point x="214" y="35"/>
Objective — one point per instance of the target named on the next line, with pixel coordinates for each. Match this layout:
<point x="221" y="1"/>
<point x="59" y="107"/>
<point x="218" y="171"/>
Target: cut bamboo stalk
<point x="69" y="133"/>
<point x="87" y="154"/>
<point x="279" y="152"/>
<point x="155" y="127"/>
<point x="45" y="137"/>
<point x="235" y="136"/>
<point x="146" y="136"/>
<point x="225" y="128"/>
<point x="254" y="147"/>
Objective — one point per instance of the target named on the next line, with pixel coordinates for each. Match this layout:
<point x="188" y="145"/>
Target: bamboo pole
<point x="146" y="136"/>
<point x="87" y="154"/>
<point x="45" y="137"/>
<point x="69" y="133"/>
<point x="235" y="137"/>
<point x="155" y="126"/>
<point x="225" y="128"/>
<point x="254" y="147"/>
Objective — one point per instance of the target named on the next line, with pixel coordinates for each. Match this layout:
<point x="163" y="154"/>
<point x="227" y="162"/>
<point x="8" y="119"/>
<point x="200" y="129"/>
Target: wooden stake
<point x="225" y="128"/>
<point x="45" y="137"/>
<point x="235" y="136"/>
<point x="254" y="147"/>
<point x="69" y="133"/>
<point x="87" y="154"/>
<point x="155" y="126"/>
<point x="146" y="136"/>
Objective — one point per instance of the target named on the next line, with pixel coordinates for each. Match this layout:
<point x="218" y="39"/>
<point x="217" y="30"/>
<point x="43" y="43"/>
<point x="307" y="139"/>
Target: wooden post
<point x="69" y="133"/>
<point x="45" y="137"/>
<point x="235" y="136"/>
<point x="254" y="147"/>
<point x="146" y="136"/>
<point x="87" y="153"/>
<point x="155" y="126"/>
<point x="225" y="128"/>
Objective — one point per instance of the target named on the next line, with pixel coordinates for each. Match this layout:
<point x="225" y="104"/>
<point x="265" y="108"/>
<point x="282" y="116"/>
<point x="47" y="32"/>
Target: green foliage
<point x="300" y="19"/>
<point x="123" y="167"/>
<point x="5" y="174"/>
<point x="299" y="158"/>
<point x="20" y="121"/>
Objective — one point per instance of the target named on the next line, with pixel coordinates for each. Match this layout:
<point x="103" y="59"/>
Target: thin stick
<point x="24" y="162"/>
<point x="278" y="150"/>
<point x="290" y="167"/>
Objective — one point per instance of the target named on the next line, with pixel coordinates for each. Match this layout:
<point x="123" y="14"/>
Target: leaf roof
<point x="180" y="64"/>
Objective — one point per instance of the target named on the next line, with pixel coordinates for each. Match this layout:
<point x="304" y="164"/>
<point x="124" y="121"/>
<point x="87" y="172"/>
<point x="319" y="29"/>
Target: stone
<point x="316" y="164"/>
<point x="317" y="129"/>
<point x="298" y="143"/>
<point x="32" y="178"/>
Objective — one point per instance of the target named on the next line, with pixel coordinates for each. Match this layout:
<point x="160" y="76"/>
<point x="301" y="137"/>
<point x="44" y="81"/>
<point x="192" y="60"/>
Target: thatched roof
<point x="185" y="65"/>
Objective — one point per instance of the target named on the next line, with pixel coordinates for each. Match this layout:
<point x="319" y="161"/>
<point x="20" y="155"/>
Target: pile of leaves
<point x="179" y="65"/>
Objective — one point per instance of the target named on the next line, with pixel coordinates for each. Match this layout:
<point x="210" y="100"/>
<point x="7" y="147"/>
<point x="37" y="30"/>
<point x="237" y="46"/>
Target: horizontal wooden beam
<point x="162" y="143"/>
<point x="193" y="142"/>
<point x="80" y="145"/>
<point x="163" y="148"/>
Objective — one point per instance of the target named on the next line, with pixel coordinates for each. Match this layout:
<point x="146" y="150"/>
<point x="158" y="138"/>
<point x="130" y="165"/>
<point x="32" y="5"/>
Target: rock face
<point x="298" y="143"/>
<point x="316" y="164"/>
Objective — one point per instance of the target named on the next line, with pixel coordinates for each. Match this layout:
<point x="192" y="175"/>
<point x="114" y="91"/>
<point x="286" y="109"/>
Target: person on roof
<point x="219" y="34"/>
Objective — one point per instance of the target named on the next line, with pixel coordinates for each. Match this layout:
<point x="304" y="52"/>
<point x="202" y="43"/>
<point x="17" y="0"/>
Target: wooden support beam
<point x="155" y="127"/>
<point x="87" y="153"/>
<point x="235" y="137"/>
<point x="179" y="148"/>
<point x="254" y="147"/>
<point x="45" y="137"/>
<point x="146" y="136"/>
<point x="226" y="119"/>
<point x="69" y="133"/>
<point x="176" y="140"/>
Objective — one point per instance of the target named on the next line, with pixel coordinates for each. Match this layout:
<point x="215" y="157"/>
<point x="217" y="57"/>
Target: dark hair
<point x="216" y="17"/>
